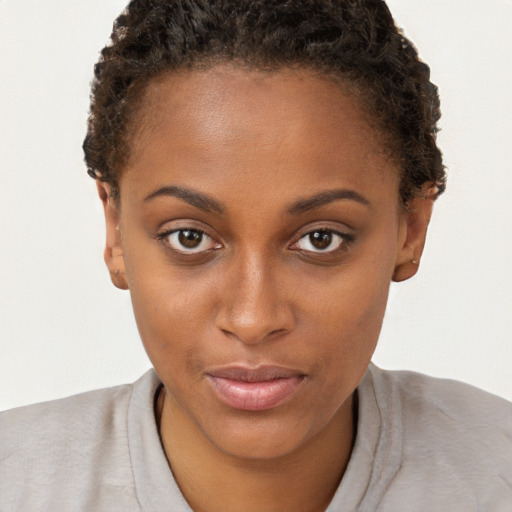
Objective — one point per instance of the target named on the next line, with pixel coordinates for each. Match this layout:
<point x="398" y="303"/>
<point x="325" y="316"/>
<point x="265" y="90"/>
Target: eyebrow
<point x="197" y="199"/>
<point x="323" y="198"/>
<point x="208" y="204"/>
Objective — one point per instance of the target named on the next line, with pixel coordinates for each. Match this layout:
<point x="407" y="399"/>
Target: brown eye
<point x="321" y="241"/>
<point x="189" y="241"/>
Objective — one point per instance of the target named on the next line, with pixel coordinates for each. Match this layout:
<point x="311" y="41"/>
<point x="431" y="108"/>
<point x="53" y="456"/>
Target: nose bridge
<point x="252" y="304"/>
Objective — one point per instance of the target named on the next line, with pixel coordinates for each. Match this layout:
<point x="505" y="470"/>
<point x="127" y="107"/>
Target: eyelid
<point x="167" y="229"/>
<point x="346" y="239"/>
<point x="184" y="224"/>
<point x="164" y="234"/>
<point x="338" y="228"/>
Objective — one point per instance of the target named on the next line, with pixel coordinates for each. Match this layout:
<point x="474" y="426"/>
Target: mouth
<point x="255" y="389"/>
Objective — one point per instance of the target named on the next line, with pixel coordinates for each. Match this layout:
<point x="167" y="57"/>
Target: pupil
<point x="190" y="239"/>
<point x="320" y="239"/>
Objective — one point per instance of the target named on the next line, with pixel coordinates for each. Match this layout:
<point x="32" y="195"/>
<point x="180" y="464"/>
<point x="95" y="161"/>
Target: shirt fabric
<point x="422" y="444"/>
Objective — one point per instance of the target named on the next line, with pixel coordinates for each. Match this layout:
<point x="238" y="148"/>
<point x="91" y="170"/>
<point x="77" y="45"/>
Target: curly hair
<point x="356" y="41"/>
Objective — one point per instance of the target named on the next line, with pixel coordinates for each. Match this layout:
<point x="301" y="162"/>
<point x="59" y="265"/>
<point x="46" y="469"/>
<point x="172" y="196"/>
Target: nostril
<point x="277" y="331"/>
<point x="246" y="338"/>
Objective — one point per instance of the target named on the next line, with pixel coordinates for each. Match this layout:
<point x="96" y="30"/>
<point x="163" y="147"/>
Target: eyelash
<point x="344" y="239"/>
<point x="166" y="235"/>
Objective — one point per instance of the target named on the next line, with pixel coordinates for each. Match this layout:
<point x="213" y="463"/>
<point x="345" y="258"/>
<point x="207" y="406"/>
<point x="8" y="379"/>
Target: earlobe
<point x="414" y="232"/>
<point x="113" y="254"/>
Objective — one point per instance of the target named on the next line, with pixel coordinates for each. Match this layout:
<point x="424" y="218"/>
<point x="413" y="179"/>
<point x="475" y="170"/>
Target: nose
<point x="253" y="304"/>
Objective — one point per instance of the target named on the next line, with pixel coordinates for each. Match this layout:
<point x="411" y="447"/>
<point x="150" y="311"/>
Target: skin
<point x="259" y="146"/>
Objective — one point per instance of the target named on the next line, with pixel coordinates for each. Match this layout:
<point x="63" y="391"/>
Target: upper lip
<point x="258" y="374"/>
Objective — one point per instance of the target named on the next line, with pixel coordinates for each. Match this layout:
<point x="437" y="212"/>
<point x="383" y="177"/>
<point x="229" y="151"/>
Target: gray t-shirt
<point x="422" y="444"/>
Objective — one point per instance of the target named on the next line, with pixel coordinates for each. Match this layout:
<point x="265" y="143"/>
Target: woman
<point x="266" y="169"/>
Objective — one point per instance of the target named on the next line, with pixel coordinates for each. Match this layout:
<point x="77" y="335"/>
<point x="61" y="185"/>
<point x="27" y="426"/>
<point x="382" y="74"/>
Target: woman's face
<point x="259" y="228"/>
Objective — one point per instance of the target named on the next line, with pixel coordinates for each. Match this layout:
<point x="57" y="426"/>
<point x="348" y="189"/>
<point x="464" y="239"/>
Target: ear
<point x="414" y="224"/>
<point x="113" y="253"/>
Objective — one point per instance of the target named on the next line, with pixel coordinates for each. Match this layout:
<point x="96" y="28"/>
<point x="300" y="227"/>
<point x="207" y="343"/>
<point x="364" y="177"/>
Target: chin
<point x="257" y="441"/>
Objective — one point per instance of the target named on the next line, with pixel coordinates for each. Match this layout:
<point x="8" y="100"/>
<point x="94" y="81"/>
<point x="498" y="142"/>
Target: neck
<point x="213" y="481"/>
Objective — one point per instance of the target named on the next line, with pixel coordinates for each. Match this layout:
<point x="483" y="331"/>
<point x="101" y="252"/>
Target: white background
<point x="64" y="328"/>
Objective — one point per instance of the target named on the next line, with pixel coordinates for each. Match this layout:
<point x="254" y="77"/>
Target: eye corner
<point x="188" y="241"/>
<point x="322" y="241"/>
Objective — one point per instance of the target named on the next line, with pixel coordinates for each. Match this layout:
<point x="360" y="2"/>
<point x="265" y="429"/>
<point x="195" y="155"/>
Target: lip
<point x="255" y="389"/>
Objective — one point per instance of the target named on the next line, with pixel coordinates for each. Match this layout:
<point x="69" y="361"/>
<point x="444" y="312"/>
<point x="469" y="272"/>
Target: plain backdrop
<point x="65" y="329"/>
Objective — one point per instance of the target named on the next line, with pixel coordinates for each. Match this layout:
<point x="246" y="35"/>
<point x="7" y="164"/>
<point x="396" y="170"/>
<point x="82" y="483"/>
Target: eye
<point x="189" y="241"/>
<point x="321" y="241"/>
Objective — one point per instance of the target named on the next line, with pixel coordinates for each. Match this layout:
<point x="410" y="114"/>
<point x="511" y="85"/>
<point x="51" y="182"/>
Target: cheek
<point x="345" y="315"/>
<point x="171" y="311"/>
<point x="347" y="333"/>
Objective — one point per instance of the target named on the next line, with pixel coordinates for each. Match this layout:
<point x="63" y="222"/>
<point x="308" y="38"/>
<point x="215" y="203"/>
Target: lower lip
<point x="255" y="396"/>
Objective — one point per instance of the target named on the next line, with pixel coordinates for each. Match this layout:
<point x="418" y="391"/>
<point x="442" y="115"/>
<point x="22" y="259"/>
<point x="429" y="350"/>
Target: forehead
<point x="224" y="100"/>
<point x="202" y="124"/>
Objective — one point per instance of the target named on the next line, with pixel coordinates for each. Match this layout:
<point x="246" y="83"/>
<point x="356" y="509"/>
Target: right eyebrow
<point x="192" y="197"/>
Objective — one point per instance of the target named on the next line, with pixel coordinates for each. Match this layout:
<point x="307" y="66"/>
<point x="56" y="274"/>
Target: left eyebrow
<point x="323" y="198"/>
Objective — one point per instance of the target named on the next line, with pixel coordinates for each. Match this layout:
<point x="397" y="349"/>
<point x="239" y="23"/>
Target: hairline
<point x="138" y="90"/>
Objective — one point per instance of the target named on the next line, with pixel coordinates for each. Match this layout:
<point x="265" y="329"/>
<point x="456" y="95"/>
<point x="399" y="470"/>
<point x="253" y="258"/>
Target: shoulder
<point x="458" y="402"/>
<point x="456" y="440"/>
<point x="69" y="450"/>
<point x="86" y="415"/>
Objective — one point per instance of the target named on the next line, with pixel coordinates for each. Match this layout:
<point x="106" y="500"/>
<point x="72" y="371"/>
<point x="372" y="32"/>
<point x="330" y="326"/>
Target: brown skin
<point x="257" y="291"/>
